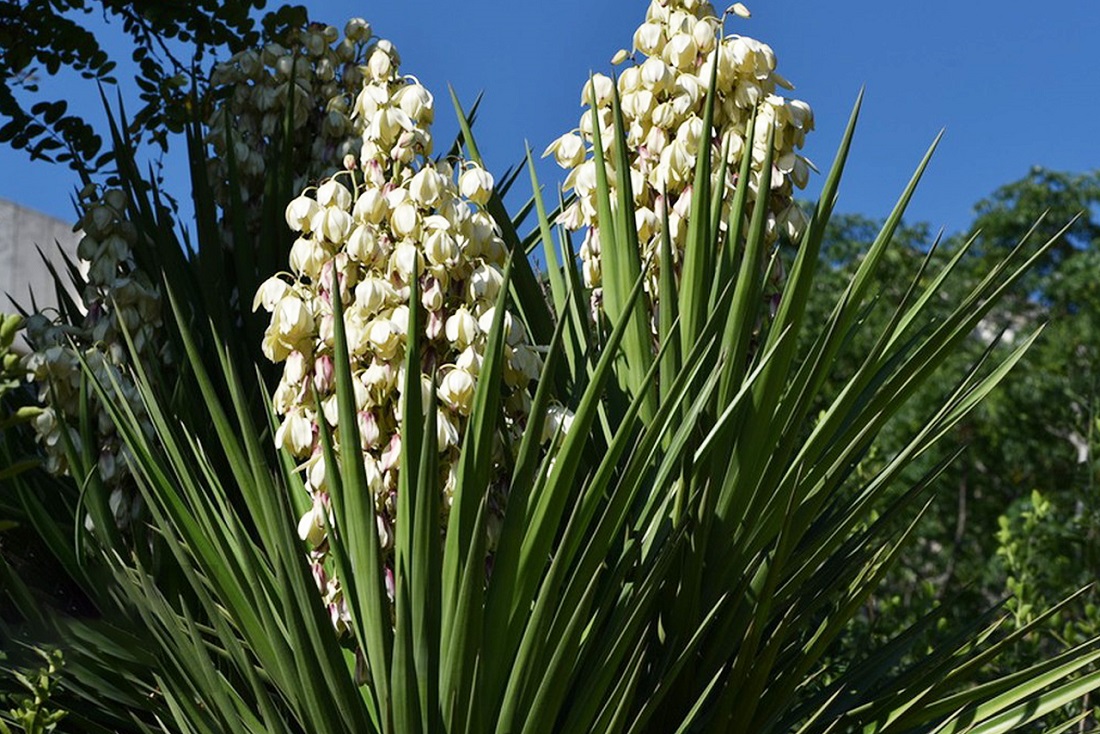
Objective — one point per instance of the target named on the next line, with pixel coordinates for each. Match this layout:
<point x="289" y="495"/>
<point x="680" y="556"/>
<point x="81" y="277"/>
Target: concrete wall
<point x="22" y="271"/>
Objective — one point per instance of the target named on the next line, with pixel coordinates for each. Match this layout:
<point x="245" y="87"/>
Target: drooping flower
<point x="117" y="296"/>
<point x="662" y="88"/>
<point x="390" y="217"/>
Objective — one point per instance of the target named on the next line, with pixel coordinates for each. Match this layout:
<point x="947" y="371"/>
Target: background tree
<point x="1016" y="516"/>
<point x="170" y="41"/>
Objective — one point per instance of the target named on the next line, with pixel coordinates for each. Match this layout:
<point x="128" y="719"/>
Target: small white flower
<point x="371" y="206"/>
<point x="384" y="338"/>
<point x="332" y="193"/>
<point x="270" y="292"/>
<point x="456" y="390"/>
<point x="300" y="212"/>
<point x="568" y="150"/>
<point x="557" y="419"/>
<point x="476" y="184"/>
<point x="332" y="223"/>
<point x="296" y="433"/>
<point x="462" y="328"/>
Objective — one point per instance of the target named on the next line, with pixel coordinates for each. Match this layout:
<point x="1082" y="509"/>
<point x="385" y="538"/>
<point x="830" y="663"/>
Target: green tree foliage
<point x="169" y="42"/>
<point x="1017" y="514"/>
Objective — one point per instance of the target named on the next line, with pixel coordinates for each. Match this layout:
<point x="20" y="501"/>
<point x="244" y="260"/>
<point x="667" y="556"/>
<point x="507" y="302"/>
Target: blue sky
<point x="1015" y="84"/>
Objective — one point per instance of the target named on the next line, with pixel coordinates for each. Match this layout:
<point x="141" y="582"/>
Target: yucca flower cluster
<point x="313" y="70"/>
<point x="662" y="93"/>
<point x="391" y="216"/>
<point x="117" y="295"/>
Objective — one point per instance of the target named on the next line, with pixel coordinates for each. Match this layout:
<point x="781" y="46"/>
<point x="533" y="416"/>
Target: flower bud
<point x="323" y="374"/>
<point x="357" y="30"/>
<point x="362" y="244"/>
<point x="369" y="434"/>
<point x="311" y="527"/>
<point x="405" y="220"/>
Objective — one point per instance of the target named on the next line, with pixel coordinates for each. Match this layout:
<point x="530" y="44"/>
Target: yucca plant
<point x="680" y="556"/>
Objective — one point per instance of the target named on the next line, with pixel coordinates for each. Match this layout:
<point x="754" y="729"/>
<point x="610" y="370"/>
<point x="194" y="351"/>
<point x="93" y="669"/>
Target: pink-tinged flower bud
<point x="392" y="454"/>
<point x="432" y="297"/>
<point x="294" y="369"/>
<point x="369" y="434"/>
<point x="434" y="327"/>
<point x="323" y="374"/>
